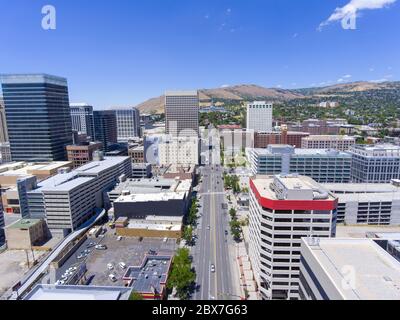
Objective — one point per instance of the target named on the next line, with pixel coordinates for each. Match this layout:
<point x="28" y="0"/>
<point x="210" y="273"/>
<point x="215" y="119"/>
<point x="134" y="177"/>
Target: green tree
<point x="236" y="229"/>
<point x="182" y="276"/>
<point x="188" y="234"/>
<point x="135" y="296"/>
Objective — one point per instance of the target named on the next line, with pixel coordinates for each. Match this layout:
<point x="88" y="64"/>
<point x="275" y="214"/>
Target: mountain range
<point x="250" y="92"/>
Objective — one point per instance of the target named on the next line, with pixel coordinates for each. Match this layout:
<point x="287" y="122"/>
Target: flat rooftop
<point x="377" y="272"/>
<point x="279" y="148"/>
<point x="361" y="187"/>
<point x="157" y="223"/>
<point x="361" y="231"/>
<point x="24" y="224"/>
<point x="69" y="181"/>
<point x="32" y="78"/>
<point x="96" y="167"/>
<point x="24" y="168"/>
<point x="290" y="182"/>
<point x="364" y="192"/>
<point x="181" y="93"/>
<point x="329" y="138"/>
<point x="151" y="275"/>
<point x="145" y="197"/>
<point x="153" y="185"/>
<point x="68" y="185"/>
<point x="50" y="292"/>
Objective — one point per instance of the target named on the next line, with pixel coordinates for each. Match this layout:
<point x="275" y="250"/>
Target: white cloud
<point x="295" y="35"/>
<point x="340" y="80"/>
<point x="279" y="86"/>
<point x="371" y="69"/>
<point x="347" y="76"/>
<point x="353" y="7"/>
<point x="225" y="86"/>
<point x="206" y="16"/>
<point x="379" y="80"/>
<point x="228" y="11"/>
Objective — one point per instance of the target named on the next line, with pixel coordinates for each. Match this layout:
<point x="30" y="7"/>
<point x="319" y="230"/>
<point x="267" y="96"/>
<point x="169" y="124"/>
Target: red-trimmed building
<point x="284" y="209"/>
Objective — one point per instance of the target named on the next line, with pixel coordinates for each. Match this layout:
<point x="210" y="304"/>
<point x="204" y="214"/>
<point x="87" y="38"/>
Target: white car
<point x="110" y="266"/>
<point x="113" y="278"/>
<point x="122" y="265"/>
<point x="119" y="238"/>
<point x="165" y="239"/>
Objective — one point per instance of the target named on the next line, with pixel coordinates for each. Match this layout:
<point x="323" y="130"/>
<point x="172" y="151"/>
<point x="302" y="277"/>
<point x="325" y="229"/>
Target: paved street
<point x="212" y="247"/>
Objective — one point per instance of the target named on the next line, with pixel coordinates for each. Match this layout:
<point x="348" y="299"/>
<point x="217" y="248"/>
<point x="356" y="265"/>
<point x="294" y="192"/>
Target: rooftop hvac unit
<point x="64" y="170"/>
<point x="98" y="155"/>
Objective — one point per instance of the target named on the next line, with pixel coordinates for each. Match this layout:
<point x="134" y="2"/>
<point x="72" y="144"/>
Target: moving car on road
<point x="213" y="268"/>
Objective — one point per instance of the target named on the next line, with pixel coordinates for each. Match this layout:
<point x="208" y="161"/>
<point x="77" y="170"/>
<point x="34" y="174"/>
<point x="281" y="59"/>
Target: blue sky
<point x="122" y="52"/>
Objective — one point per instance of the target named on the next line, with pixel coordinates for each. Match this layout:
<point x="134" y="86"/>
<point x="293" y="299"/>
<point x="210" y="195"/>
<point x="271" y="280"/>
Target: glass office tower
<point x="38" y="116"/>
<point x="105" y="128"/>
<point x="82" y="119"/>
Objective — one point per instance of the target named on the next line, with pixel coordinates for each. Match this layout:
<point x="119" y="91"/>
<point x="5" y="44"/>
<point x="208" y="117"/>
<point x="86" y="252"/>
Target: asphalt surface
<point x="212" y="244"/>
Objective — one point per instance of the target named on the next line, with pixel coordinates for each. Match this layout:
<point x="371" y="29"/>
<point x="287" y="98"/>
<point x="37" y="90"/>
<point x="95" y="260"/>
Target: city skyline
<point x="145" y="52"/>
<point x="242" y="191"/>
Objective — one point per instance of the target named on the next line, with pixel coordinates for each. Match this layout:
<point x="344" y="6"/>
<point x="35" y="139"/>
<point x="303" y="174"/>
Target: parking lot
<point x="130" y="251"/>
<point x="13" y="266"/>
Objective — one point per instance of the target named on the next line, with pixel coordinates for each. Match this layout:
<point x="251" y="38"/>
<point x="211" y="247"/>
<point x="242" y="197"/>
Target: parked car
<point x="119" y="238"/>
<point x="113" y="278"/>
<point x="101" y="247"/>
<point x="110" y="266"/>
<point x="122" y="265"/>
<point x="91" y="245"/>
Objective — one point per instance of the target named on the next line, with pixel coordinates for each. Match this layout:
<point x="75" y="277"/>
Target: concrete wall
<point x="126" y="232"/>
<point x="139" y="210"/>
<point x="24" y="239"/>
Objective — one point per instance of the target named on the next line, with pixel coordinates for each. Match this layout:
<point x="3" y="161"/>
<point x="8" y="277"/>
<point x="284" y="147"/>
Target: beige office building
<point x="337" y="142"/>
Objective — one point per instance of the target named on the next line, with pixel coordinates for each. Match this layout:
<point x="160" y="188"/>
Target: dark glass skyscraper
<point x="105" y="128"/>
<point x="38" y="116"/>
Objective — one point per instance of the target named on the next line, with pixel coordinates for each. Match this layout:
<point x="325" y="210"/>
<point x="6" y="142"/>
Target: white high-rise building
<point x="82" y="118"/>
<point x="284" y="209"/>
<point x="259" y="116"/>
<point x="179" y="151"/>
<point x="128" y="124"/>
